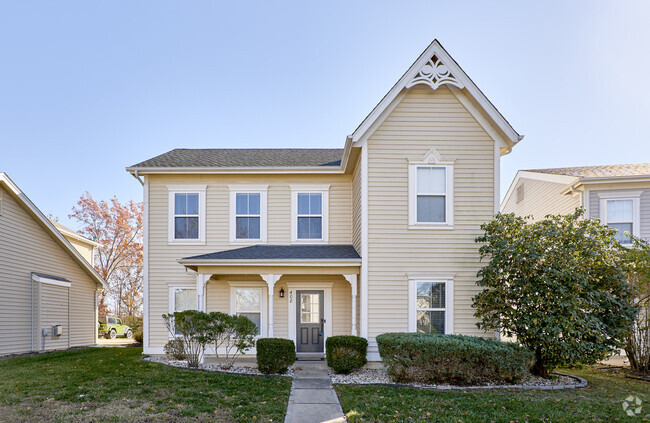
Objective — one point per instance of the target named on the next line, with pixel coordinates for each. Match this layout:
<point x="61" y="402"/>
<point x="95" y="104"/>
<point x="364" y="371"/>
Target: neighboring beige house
<point x="82" y="244"/>
<point x="375" y="237"/>
<point x="618" y="195"/>
<point x="49" y="288"/>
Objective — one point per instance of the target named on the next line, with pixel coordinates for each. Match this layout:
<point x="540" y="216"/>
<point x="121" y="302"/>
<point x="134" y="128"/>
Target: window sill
<point x="186" y="242"/>
<point x="309" y="241"/>
<point x="431" y="226"/>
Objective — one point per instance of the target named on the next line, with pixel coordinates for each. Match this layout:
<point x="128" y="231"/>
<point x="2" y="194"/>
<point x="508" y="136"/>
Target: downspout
<point x="137" y="176"/>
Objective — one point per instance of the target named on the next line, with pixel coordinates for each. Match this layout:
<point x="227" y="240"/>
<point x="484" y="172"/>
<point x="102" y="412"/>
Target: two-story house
<point x="618" y="195"/>
<point x="308" y="243"/>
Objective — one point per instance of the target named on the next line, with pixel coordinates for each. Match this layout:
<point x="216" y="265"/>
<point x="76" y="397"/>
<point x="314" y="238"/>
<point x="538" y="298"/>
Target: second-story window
<point x="310" y="215"/>
<point x="309" y="210"/>
<point x="248" y="218"/>
<point x="620" y="211"/>
<point x="430" y="196"/>
<point x="186" y="213"/>
<point x="248" y="213"/>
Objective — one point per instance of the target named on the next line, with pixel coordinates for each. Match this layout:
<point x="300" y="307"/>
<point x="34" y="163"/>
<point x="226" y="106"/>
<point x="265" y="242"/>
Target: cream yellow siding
<point x="163" y="268"/>
<point x="425" y="119"/>
<point x="356" y="207"/>
<point x="26" y="247"/>
<point x="84" y="249"/>
<point x="540" y="198"/>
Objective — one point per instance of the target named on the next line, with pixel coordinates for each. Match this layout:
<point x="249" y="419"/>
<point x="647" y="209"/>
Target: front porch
<point x="304" y="293"/>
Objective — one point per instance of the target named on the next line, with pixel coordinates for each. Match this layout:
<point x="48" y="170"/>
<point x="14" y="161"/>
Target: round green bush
<point x="346" y="353"/>
<point x="454" y="359"/>
<point x="275" y="355"/>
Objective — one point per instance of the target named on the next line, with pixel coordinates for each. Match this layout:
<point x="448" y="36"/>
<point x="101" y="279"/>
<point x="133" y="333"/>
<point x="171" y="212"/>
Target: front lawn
<point x="114" y="384"/>
<point x="601" y="401"/>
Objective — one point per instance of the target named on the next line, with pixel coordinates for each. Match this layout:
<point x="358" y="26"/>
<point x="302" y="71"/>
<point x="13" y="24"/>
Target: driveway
<point x="117" y="342"/>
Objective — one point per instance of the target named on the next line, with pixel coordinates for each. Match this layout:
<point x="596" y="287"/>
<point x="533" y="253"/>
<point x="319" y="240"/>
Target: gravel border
<point x="240" y="371"/>
<point x="381" y="379"/>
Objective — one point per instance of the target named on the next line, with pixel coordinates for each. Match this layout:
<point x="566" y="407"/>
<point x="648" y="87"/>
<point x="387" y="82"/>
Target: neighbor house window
<point x="309" y="214"/>
<point x="430" y="305"/>
<point x="182" y="299"/>
<point x="430" y="194"/>
<point x="248" y="213"/>
<point x="249" y="301"/>
<point x="621" y="214"/>
<point x="187" y="214"/>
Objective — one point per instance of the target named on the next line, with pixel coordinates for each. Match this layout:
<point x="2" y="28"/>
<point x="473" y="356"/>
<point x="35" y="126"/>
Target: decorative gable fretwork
<point x="434" y="73"/>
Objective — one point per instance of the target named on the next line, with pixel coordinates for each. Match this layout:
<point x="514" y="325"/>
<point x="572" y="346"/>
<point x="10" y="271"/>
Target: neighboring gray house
<point x="618" y="195"/>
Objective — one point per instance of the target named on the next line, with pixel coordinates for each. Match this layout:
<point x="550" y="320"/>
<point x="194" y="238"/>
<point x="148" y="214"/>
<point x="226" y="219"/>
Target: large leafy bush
<point x="637" y="347"/>
<point x="558" y="285"/>
<point x="189" y="326"/>
<point x="346" y="353"/>
<point x="275" y="355"/>
<point x="453" y="359"/>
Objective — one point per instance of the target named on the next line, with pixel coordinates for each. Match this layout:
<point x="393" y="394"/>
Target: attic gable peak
<point x="434" y="73"/>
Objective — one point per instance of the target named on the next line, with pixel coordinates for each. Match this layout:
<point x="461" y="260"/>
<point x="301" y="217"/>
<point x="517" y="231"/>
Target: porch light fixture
<point x="281" y="292"/>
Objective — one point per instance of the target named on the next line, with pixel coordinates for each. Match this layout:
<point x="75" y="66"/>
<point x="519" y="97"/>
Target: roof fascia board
<point x="613" y="179"/>
<point x="44" y="221"/>
<point x="234" y="170"/>
<point x="436" y="48"/>
<point x="272" y="262"/>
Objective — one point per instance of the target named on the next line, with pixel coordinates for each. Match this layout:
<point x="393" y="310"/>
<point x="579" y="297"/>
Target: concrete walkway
<point x="312" y="398"/>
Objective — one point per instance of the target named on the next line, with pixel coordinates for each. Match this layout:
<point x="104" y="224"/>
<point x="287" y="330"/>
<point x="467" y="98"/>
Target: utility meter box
<point x="57" y="330"/>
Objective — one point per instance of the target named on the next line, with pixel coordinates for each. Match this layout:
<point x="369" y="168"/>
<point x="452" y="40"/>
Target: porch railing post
<point x="353" y="284"/>
<point x="270" y="280"/>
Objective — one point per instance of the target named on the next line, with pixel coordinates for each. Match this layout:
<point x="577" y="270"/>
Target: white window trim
<point x="310" y="189"/>
<point x="248" y="189"/>
<point x="449" y="196"/>
<point x="172" y="298"/>
<point x="635" y="196"/>
<point x="264" y="303"/>
<point x="186" y="189"/>
<point x="449" y="303"/>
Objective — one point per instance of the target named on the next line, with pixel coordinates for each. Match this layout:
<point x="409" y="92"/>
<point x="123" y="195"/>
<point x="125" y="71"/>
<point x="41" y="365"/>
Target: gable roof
<point x="73" y="234"/>
<point x="282" y="252"/>
<point x="245" y="158"/>
<point x="436" y="67"/>
<point x="45" y="223"/>
<point x="602" y="171"/>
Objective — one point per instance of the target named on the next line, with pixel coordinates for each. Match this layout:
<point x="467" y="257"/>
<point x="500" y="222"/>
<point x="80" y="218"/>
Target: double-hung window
<point x="309" y="213"/>
<point x="249" y="301"/>
<point x="431" y="304"/>
<point x="430" y="196"/>
<point x="620" y="211"/>
<point x="248" y="213"/>
<point x="186" y="214"/>
<point x="182" y="299"/>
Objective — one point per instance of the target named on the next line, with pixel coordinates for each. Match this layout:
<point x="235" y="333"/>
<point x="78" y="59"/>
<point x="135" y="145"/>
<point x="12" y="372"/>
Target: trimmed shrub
<point x="275" y="355"/>
<point x="176" y="348"/>
<point x="346" y="353"/>
<point x="454" y="359"/>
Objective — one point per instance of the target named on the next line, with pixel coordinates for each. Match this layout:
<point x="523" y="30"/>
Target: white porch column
<point x="201" y="280"/>
<point x="353" y="284"/>
<point x="270" y="280"/>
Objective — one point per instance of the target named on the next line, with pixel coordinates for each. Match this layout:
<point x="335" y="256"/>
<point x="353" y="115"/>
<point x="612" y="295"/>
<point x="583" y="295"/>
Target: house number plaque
<point x="290" y="296"/>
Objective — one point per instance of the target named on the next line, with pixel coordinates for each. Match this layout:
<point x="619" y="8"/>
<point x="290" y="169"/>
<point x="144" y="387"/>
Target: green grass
<point x="114" y="384"/>
<point x="601" y="401"/>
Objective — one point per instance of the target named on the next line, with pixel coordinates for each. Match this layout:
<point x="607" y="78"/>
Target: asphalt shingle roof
<point x="246" y="157"/>
<point x="283" y="252"/>
<point x="632" y="169"/>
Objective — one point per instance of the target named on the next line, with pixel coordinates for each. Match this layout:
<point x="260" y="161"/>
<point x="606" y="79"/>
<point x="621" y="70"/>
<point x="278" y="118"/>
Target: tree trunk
<point x="539" y="369"/>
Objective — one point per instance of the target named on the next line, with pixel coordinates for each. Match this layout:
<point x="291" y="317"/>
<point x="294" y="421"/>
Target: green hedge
<point x="453" y="359"/>
<point x="346" y="353"/>
<point x="275" y="355"/>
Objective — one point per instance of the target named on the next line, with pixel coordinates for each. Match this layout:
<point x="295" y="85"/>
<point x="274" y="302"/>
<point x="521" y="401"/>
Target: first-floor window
<point x="248" y="303"/>
<point x="182" y="299"/>
<point x="431" y="307"/>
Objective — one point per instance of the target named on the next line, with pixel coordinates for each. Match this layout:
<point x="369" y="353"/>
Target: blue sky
<point x="90" y="87"/>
